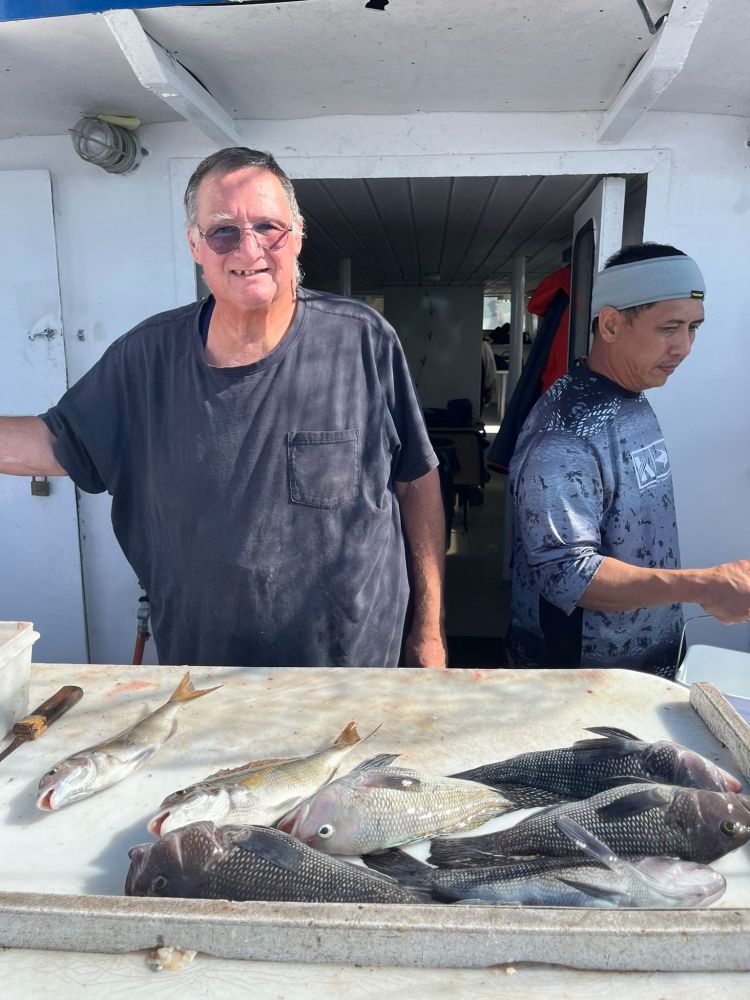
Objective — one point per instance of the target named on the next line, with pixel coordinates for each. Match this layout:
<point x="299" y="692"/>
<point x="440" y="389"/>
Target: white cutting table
<point x="61" y="891"/>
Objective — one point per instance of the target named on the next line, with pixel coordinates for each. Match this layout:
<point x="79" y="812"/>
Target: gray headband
<point x="644" y="281"/>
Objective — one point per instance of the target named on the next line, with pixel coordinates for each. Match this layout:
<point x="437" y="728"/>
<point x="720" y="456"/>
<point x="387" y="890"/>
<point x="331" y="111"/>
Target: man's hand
<point x="727" y="595"/>
<point x="425" y="649"/>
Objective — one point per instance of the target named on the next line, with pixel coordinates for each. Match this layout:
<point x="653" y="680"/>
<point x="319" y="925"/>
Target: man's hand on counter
<point x="425" y="649"/>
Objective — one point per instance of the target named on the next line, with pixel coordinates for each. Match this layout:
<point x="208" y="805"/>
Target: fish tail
<point x="350" y="737"/>
<point x="186" y="692"/>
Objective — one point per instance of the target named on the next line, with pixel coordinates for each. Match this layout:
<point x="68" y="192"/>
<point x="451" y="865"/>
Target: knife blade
<point x="35" y="725"/>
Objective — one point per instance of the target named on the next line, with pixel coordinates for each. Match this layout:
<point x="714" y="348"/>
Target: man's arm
<point x="423" y="519"/>
<point x="722" y="591"/>
<point x="26" y="448"/>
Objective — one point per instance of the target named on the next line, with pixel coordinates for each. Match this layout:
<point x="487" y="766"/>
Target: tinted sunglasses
<point x="225" y="238"/>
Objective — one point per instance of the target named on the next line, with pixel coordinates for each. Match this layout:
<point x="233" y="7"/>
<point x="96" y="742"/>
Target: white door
<point x="597" y="234"/>
<point x="40" y="563"/>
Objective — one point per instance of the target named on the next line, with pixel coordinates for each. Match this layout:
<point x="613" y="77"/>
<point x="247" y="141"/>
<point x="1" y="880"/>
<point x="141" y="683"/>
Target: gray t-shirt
<point x="591" y="478"/>
<point x="256" y="504"/>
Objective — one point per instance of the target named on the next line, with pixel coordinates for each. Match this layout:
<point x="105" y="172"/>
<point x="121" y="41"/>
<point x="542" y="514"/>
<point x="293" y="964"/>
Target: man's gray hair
<point x="226" y="161"/>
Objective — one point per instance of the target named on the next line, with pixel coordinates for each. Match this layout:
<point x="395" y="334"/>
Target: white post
<point x="345" y="276"/>
<point x="517" y="319"/>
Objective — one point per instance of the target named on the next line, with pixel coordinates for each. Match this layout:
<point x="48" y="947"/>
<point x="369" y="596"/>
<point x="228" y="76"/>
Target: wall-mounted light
<point x="109" y="142"/>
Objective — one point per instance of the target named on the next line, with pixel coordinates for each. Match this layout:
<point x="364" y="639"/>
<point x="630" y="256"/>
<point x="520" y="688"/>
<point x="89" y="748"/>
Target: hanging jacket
<point x="547" y="361"/>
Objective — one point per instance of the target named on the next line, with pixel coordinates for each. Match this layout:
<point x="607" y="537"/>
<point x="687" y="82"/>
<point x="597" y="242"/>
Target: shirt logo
<point x="651" y="464"/>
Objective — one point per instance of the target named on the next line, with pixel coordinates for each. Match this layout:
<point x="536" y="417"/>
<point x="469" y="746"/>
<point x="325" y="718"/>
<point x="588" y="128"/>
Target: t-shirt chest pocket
<point x="323" y="467"/>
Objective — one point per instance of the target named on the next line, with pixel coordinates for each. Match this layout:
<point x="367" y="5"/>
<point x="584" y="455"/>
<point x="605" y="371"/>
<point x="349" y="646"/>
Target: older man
<point x="597" y="579"/>
<point x="265" y="452"/>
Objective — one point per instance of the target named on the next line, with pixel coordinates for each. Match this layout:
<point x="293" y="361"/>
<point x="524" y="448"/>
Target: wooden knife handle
<point x="37" y="723"/>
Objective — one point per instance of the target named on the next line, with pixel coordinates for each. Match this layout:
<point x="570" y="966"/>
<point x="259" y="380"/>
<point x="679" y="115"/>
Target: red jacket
<point x="557" y="360"/>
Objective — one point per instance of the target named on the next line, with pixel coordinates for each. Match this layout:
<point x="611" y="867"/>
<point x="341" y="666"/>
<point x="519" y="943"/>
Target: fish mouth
<point x="155" y="824"/>
<point x="45" y="800"/>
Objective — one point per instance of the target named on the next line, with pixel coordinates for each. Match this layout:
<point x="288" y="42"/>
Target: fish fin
<point x="282" y="853"/>
<point x="596" y="892"/>
<point x="587" y="842"/>
<point x="529" y="796"/>
<point x="460" y="852"/>
<point x="400" y="866"/>
<point x="186" y="692"/>
<point x="596" y="750"/>
<point x="612" y="731"/>
<point x="615" y="780"/>
<point x="634" y="804"/>
<point x="250" y="767"/>
<point x="380" y="760"/>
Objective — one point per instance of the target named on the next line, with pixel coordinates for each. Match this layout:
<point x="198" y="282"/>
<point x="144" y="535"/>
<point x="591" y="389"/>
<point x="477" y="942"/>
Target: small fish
<point x="88" y="771"/>
<point x="600" y="879"/>
<point x="591" y="766"/>
<point x="258" y="793"/>
<point x="634" y="820"/>
<point x="377" y="806"/>
<point x="201" y="861"/>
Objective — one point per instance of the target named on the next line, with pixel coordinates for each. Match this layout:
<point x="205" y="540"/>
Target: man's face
<point x="648" y="347"/>
<point x="248" y="278"/>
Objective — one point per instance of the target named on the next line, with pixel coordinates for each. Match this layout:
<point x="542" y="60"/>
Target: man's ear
<point x="193" y="239"/>
<point x="609" y="321"/>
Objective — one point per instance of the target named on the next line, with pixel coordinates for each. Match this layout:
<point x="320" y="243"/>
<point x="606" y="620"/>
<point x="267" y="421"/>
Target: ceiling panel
<point x="437" y="230"/>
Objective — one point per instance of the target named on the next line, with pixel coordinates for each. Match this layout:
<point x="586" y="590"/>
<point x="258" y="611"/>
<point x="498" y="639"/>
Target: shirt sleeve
<point x="414" y="456"/>
<point x="557" y="491"/>
<point x="87" y="425"/>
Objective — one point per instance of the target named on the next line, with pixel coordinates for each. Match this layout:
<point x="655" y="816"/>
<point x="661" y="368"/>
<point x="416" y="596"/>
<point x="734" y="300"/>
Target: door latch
<point x="48" y="332"/>
<point x="39" y="486"/>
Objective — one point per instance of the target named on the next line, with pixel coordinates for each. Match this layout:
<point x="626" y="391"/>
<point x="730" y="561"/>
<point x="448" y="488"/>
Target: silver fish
<point x="590" y="766"/>
<point x="377" y="806"/>
<point x="634" y="820"/>
<point x="200" y="861"/>
<point x="600" y="879"/>
<point x="95" y="768"/>
<point x="258" y="793"/>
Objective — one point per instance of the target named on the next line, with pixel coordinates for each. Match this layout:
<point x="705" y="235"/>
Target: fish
<point x="257" y="793"/>
<point x="98" y="767"/>
<point x="691" y="824"/>
<point x="203" y="861"/>
<point x="598" y="879"/>
<point x="591" y="766"/>
<point x="377" y="806"/>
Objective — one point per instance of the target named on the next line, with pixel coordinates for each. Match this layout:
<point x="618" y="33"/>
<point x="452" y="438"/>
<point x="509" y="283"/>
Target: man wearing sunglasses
<point x="272" y="482"/>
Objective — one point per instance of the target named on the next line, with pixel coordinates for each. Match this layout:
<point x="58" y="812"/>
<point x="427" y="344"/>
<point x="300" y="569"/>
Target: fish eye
<point x="159" y="883"/>
<point x="325" y="832"/>
<point x="180" y="791"/>
<point x="729" y="827"/>
<point x="52" y="771"/>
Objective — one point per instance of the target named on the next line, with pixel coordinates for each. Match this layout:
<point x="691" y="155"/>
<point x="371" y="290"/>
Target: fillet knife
<point x="37" y="724"/>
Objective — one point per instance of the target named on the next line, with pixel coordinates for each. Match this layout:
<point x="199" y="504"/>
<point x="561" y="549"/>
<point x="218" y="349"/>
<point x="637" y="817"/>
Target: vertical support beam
<point x="345" y="276"/>
<point x="517" y="320"/>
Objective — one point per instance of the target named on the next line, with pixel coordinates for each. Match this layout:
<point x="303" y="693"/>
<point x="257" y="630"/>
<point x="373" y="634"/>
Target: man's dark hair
<point x="642" y="251"/>
<point x="629" y="254"/>
<point x="226" y="161"/>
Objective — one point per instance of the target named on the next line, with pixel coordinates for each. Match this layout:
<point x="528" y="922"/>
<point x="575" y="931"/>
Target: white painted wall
<point x="120" y="261"/>
<point x="440" y="330"/>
